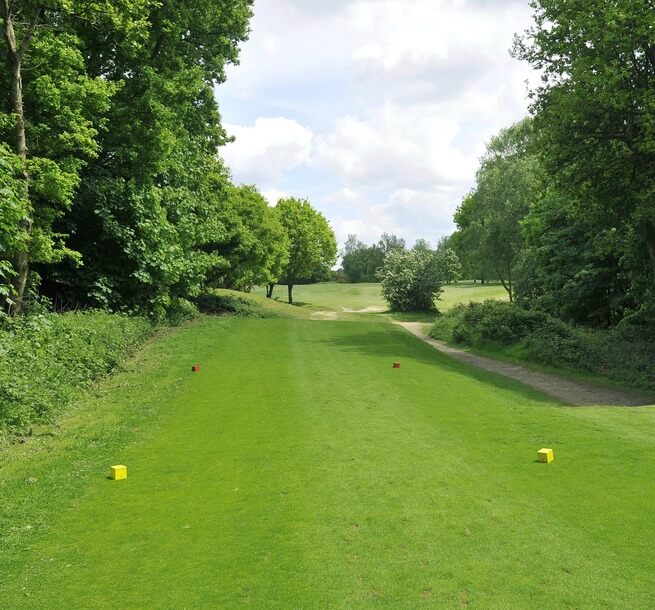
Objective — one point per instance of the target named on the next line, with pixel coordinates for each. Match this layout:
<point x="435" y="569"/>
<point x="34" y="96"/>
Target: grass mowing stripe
<point x="442" y="471"/>
<point x="300" y="470"/>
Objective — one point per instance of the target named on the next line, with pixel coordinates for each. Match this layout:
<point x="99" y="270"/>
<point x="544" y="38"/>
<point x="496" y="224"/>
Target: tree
<point x="256" y="249"/>
<point x="390" y="242"/>
<point x="569" y="268"/>
<point x="448" y="265"/>
<point x="51" y="111"/>
<point x="361" y="262"/>
<point x="312" y="245"/>
<point x="150" y="215"/>
<point x="595" y="109"/>
<point x="410" y="279"/>
<point x="489" y="218"/>
<point x="11" y="213"/>
<point x="467" y="241"/>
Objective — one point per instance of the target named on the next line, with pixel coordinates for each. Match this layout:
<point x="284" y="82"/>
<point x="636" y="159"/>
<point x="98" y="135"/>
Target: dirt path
<point x="366" y="310"/>
<point x="330" y="316"/>
<point x="568" y="391"/>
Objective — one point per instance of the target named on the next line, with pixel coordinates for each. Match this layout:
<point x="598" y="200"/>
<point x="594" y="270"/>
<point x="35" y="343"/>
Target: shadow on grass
<point x="399" y="345"/>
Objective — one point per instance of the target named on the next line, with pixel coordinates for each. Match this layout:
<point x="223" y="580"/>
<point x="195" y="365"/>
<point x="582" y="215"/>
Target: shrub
<point x="215" y="303"/>
<point x="46" y="359"/>
<point x="494" y="322"/>
<point x="410" y="280"/>
<point x="625" y="353"/>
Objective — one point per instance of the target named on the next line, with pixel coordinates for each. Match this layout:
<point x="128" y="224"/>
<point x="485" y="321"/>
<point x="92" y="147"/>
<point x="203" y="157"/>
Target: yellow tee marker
<point x="545" y="456"/>
<point x="118" y="472"/>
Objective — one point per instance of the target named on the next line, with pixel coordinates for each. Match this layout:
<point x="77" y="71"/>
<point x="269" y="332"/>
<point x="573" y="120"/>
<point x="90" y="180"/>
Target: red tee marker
<point x="195" y="368"/>
<point x="396" y="365"/>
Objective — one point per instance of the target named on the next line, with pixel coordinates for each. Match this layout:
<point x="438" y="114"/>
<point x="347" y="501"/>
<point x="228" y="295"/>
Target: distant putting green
<point x="298" y="469"/>
<point x="336" y="297"/>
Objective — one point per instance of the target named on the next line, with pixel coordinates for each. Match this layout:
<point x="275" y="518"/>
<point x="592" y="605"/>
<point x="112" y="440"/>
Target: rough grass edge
<point x="624" y="355"/>
<point x="47" y="359"/>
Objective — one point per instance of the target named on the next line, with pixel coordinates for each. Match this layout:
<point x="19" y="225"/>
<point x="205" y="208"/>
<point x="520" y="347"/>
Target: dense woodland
<point x="113" y="191"/>
<point x="563" y="212"/>
<point x="114" y="194"/>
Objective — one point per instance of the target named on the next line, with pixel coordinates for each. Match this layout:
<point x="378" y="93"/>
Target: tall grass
<point x="46" y="359"/>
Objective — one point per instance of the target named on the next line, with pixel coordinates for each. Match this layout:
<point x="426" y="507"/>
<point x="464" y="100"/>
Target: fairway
<point x="337" y="297"/>
<point x="299" y="470"/>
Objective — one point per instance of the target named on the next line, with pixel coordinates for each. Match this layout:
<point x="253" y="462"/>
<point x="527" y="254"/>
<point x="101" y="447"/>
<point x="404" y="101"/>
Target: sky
<point x="377" y="111"/>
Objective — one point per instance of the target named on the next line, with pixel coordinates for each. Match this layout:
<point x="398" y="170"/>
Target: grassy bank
<point x="625" y="354"/>
<point x="46" y="360"/>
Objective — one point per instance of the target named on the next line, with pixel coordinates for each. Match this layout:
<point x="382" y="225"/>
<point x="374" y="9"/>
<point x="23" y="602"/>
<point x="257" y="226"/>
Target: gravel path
<point x="568" y="391"/>
<point x="325" y="315"/>
<point x="366" y="310"/>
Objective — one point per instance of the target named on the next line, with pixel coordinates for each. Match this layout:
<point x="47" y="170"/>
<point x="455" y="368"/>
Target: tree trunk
<point x="269" y="291"/>
<point x="507" y="285"/>
<point x="15" y="54"/>
<point x="22" y="256"/>
<point x="290" y="288"/>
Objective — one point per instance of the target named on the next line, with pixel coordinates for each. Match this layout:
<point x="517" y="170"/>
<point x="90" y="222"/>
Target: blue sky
<point x="377" y="111"/>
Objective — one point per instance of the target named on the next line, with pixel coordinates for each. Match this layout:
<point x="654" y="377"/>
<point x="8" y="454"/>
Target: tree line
<point x="113" y="194"/>
<point x="563" y="210"/>
<point x="411" y="279"/>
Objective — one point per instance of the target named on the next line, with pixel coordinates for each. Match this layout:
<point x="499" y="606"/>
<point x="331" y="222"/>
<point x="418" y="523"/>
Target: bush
<point x="494" y="322"/>
<point x="625" y="353"/>
<point x="215" y="303"/>
<point x="410" y="280"/>
<point x="46" y="359"/>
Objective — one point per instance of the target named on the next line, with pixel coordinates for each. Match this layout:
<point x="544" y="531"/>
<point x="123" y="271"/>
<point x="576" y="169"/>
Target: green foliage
<point x="494" y="322"/>
<point x="360" y="262"/>
<point x="312" y="245"/>
<point x="625" y="353"/>
<point x="449" y="265"/>
<point x="571" y="269"/>
<point x="130" y="217"/>
<point x="489" y="219"/>
<point x="46" y="360"/>
<point x="11" y="212"/>
<point x="215" y="303"/>
<point x="411" y="280"/>
<point x="51" y="111"/>
<point x="256" y="249"/>
<point x="595" y="115"/>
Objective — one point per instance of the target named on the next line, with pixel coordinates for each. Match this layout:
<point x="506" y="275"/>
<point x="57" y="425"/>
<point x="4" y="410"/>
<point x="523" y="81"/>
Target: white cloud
<point x="384" y="106"/>
<point x="400" y="213"/>
<point x="268" y="149"/>
<point x="273" y="196"/>
<point x="396" y="146"/>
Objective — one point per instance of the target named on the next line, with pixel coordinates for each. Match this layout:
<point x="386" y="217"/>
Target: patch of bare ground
<point x="568" y="391"/>
<point x="365" y="310"/>
<point x="325" y="315"/>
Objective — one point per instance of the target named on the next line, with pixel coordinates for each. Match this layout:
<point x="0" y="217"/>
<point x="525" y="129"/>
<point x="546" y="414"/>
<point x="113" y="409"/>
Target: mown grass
<point x="332" y="296"/>
<point x="299" y="470"/>
<point x="335" y="297"/>
<point x="469" y="292"/>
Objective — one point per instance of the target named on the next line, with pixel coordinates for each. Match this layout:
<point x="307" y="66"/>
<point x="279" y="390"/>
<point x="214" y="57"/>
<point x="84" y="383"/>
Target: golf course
<point x="299" y="469"/>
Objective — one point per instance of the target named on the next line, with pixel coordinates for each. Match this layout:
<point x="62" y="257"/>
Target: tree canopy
<point x="312" y="245"/>
<point x="488" y="220"/>
<point x="595" y="111"/>
<point x="563" y="211"/>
